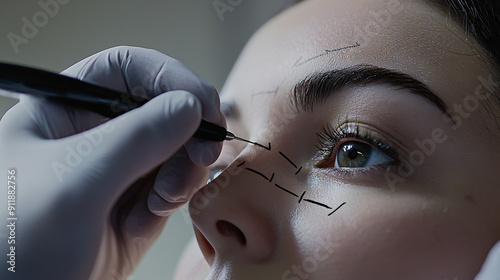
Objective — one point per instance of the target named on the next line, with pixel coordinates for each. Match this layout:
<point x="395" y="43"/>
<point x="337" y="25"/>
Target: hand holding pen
<point x="16" y="79"/>
<point x="121" y="178"/>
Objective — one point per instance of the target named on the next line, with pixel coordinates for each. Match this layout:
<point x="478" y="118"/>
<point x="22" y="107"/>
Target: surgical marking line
<point x="337" y="208"/>
<point x="266" y="92"/>
<point x="286" y="190"/>
<point x="262" y="146"/>
<point x="288" y="159"/>
<point x="318" y="203"/>
<point x="298" y="170"/>
<point x="296" y="64"/>
<point x="302" y="196"/>
<point x="258" y="173"/>
<point x="270" y="180"/>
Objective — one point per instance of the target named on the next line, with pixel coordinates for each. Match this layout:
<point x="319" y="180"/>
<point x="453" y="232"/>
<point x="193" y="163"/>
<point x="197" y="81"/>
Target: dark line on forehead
<point x="299" y="62"/>
<point x="266" y="92"/>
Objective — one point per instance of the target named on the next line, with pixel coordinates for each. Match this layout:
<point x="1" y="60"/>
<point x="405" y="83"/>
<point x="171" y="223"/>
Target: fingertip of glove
<point x="203" y="152"/>
<point x="177" y="112"/>
<point x="181" y="102"/>
<point x="160" y="207"/>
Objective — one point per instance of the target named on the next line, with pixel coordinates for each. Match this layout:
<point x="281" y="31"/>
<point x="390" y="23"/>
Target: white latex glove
<point x="91" y="195"/>
<point x="491" y="266"/>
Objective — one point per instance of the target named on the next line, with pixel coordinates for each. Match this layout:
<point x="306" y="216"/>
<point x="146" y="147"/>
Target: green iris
<point x="354" y="154"/>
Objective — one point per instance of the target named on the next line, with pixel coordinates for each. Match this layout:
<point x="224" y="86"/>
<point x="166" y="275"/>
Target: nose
<point x="233" y="216"/>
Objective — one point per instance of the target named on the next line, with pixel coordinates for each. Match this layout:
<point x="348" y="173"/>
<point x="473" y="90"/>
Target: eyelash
<point x="329" y="139"/>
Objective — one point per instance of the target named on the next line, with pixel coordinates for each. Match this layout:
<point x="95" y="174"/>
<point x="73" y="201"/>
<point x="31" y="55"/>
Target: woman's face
<point x="380" y="159"/>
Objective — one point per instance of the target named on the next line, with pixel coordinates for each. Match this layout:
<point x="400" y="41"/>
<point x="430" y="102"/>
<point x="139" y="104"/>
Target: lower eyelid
<point x="372" y="168"/>
<point x="369" y="176"/>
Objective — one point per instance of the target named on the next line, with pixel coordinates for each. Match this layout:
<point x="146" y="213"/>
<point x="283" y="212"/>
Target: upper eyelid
<point x="386" y="135"/>
<point x="329" y="139"/>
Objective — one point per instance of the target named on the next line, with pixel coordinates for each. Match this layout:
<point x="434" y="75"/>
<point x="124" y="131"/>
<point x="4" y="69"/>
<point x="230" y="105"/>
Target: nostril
<point x="227" y="229"/>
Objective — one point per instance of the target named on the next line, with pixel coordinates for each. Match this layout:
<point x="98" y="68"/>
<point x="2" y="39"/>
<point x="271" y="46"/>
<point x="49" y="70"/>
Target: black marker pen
<point x="79" y="94"/>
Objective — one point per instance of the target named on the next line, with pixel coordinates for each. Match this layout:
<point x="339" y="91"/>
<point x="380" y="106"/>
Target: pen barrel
<point x="210" y="131"/>
<point x="67" y="90"/>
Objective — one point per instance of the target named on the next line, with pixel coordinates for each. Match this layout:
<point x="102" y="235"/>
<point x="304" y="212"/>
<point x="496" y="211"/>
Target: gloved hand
<point x="93" y="194"/>
<point x="491" y="266"/>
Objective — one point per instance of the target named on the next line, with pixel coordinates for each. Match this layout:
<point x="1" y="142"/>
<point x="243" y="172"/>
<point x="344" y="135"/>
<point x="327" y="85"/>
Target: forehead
<point x="319" y="35"/>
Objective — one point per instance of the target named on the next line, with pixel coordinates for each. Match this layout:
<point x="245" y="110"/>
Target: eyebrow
<point x="318" y="87"/>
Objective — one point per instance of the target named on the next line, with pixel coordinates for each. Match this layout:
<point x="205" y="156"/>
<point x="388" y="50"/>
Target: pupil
<point x="354" y="154"/>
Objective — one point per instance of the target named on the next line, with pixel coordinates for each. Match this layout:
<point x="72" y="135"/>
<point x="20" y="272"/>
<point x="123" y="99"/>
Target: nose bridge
<point x="232" y="214"/>
<point x="243" y="209"/>
<point x="257" y="170"/>
<point x="235" y="181"/>
<point x="272" y="170"/>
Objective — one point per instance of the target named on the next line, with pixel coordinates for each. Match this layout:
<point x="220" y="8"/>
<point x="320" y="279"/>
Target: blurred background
<point x="206" y="35"/>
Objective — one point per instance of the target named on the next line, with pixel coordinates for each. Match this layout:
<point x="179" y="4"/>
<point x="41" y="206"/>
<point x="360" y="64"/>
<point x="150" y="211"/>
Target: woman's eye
<point x="355" y="154"/>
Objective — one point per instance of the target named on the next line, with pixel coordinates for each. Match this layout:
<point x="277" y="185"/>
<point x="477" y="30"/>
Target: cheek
<point x="400" y="238"/>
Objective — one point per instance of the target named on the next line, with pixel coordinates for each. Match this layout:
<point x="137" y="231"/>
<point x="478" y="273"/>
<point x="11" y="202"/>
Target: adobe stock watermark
<point x="137" y="95"/>
<point x="427" y="147"/>
<point x="82" y="149"/>
<point x="12" y="177"/>
<point x="310" y="264"/>
<point x="94" y="137"/>
<point x="126" y="102"/>
<point x="213" y="189"/>
<point x="223" y="6"/>
<point x="31" y="26"/>
<point x="202" y="198"/>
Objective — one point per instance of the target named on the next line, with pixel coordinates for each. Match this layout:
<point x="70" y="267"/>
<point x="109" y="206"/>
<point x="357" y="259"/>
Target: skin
<point x="436" y="222"/>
